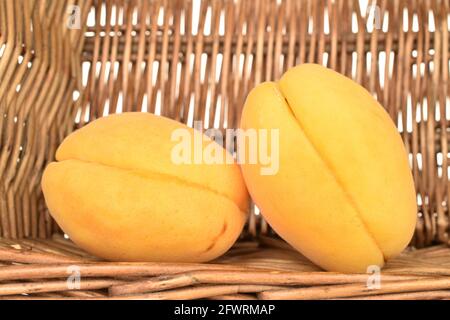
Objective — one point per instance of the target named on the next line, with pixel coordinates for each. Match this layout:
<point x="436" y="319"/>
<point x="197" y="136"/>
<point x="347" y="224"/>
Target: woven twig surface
<point x="155" y="56"/>
<point x="43" y="269"/>
<point x="170" y="63"/>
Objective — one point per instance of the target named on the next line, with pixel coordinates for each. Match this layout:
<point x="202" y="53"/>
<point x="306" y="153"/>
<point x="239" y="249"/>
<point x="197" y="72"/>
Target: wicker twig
<point x="105" y="269"/>
<point x="424" y="295"/>
<point x="52" y="286"/>
<point x="24" y="256"/>
<point x="166" y="66"/>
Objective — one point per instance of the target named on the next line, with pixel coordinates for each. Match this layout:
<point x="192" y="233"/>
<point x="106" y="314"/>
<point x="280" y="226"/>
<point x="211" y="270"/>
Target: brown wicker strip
<point x="406" y="277"/>
<point x="105" y="269"/>
<point x="244" y="277"/>
<point x="395" y="62"/>
<point x="13" y="255"/>
<point x="240" y="296"/>
<point x="83" y="294"/>
<point x="201" y="292"/>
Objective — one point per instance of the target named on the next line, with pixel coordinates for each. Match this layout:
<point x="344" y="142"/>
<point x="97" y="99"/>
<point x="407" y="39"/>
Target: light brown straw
<point x="156" y="56"/>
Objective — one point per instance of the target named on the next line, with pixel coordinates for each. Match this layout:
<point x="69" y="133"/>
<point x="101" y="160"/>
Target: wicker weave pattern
<point x="39" y="71"/>
<point x="154" y="56"/>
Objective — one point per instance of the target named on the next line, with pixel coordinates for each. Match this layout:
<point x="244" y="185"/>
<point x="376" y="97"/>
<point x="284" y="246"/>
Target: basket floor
<point x="267" y="269"/>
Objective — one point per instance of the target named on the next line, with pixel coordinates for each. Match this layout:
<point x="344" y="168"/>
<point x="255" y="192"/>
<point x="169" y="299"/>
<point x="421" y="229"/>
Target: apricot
<point x="116" y="191"/>
<point x="344" y="194"/>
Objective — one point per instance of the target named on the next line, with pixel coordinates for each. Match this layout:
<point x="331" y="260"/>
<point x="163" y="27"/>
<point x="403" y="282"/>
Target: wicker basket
<point x="65" y="63"/>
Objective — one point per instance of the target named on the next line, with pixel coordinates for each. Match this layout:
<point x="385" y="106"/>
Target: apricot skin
<point x="115" y="191"/>
<point x="344" y="194"/>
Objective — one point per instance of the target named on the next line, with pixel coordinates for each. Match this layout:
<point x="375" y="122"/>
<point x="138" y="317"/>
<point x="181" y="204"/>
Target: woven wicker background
<point x="65" y="63"/>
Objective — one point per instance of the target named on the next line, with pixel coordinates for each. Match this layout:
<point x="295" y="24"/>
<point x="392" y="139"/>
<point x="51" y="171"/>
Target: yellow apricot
<point x="344" y="194"/>
<point x="116" y="191"/>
